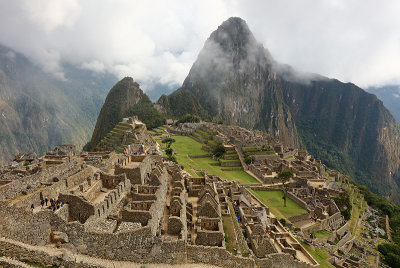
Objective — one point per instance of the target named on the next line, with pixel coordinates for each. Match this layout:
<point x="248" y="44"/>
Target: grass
<point x="320" y="255"/>
<point x="213" y="142"/>
<point x="185" y="146"/>
<point x="199" y="174"/>
<point x="322" y="234"/>
<point x="230" y="238"/>
<point x="204" y="132"/>
<point x="273" y="200"/>
<point x="229" y="160"/>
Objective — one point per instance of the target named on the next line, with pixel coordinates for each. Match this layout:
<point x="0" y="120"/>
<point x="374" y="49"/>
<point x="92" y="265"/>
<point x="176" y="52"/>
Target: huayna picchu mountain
<point x="236" y="80"/>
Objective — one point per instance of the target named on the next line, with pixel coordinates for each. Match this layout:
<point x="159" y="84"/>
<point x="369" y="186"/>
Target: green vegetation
<point x="125" y="99"/>
<point x="182" y="102"/>
<point x="218" y="150"/>
<point x="185" y="146"/>
<point x="344" y="204"/>
<point x="240" y="242"/>
<point x="391" y="252"/>
<point x="321" y="234"/>
<point x="273" y="199"/>
<point x="284" y="176"/>
<point x="146" y="112"/>
<point x="320" y="255"/>
<point x="230" y="238"/>
<point x="206" y="133"/>
<point x="169" y="151"/>
<point x="189" y="118"/>
<point x="385" y="207"/>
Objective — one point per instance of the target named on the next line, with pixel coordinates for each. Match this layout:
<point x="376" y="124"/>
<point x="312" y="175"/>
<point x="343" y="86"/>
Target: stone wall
<point x="300" y="202"/>
<point x="229" y="163"/>
<point x="282" y="260"/>
<point x="133" y="174"/>
<point x="313" y="228"/>
<point x="300" y="217"/>
<point x="15" y="188"/>
<point x="216" y="256"/>
<point x="79" y="209"/>
<point x="20" y="224"/>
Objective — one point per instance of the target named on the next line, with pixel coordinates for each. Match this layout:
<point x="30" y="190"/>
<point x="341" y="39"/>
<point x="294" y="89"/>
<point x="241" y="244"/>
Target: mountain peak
<point x="233" y="31"/>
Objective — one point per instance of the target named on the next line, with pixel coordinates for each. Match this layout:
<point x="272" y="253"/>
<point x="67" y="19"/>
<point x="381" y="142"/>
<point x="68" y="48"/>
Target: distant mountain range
<point x="237" y="81"/>
<point x="39" y="111"/>
<point x="390" y="95"/>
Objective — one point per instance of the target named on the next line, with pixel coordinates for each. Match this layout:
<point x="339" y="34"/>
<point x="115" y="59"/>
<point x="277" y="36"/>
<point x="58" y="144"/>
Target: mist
<point x="156" y="42"/>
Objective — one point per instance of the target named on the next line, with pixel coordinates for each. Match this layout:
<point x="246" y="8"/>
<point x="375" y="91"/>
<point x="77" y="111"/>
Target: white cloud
<point x="158" y="41"/>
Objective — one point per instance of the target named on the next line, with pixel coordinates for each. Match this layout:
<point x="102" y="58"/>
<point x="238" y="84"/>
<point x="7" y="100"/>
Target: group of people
<point x="51" y="203"/>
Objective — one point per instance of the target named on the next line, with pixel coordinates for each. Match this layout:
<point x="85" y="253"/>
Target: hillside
<point x="236" y="80"/>
<point x="125" y="99"/>
<point x="40" y="111"/>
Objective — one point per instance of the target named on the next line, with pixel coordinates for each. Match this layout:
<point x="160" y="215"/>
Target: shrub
<point x="189" y="118"/>
<point x="219" y="150"/>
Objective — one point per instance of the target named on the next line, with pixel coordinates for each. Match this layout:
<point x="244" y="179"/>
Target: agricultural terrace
<point x="274" y="200"/>
<point x="185" y="146"/>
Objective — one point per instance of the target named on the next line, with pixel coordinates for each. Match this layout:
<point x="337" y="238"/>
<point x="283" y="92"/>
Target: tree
<point x="219" y="150"/>
<point x="189" y="118"/>
<point x="283" y="177"/>
<point x="169" y="151"/>
<point x="168" y="141"/>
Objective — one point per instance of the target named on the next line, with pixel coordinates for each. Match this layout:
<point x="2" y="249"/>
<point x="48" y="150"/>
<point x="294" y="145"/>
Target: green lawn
<point x="230" y="238"/>
<point x="273" y="200"/>
<point x="204" y="132"/>
<point x="322" y="234"/>
<point x="185" y="146"/>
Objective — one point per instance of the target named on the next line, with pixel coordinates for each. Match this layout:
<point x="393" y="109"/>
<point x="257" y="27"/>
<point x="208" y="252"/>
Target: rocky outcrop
<point x="236" y="80"/>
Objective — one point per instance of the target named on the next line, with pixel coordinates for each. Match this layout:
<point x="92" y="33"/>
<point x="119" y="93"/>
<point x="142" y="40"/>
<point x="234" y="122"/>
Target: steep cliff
<point x="235" y="79"/>
<point x="39" y="111"/>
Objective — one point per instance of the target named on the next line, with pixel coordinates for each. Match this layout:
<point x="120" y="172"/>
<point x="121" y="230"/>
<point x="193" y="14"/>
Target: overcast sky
<point x="158" y="41"/>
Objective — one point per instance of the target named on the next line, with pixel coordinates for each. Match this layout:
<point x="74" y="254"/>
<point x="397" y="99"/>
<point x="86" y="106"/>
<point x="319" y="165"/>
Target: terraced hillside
<point x="123" y="134"/>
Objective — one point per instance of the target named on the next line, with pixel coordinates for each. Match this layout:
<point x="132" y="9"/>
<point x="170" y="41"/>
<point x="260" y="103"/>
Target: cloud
<point x="156" y="42"/>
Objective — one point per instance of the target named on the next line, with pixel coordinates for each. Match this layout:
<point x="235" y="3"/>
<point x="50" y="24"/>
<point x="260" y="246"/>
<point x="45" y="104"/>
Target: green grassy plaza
<point x="273" y="200"/>
<point x="185" y="146"/>
<point x="321" y="234"/>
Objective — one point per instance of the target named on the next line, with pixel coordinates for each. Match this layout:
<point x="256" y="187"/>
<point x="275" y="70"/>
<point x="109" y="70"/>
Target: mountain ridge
<point x="236" y="80"/>
<point x="39" y="111"/>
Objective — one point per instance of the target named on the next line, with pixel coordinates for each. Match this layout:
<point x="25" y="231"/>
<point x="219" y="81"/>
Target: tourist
<point x="42" y="203"/>
<point x="46" y="200"/>
<point x="32" y="207"/>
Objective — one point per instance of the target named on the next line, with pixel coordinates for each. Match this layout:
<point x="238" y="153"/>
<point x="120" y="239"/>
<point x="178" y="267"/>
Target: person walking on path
<point x="42" y="203"/>
<point x="46" y="200"/>
<point x="32" y="207"/>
